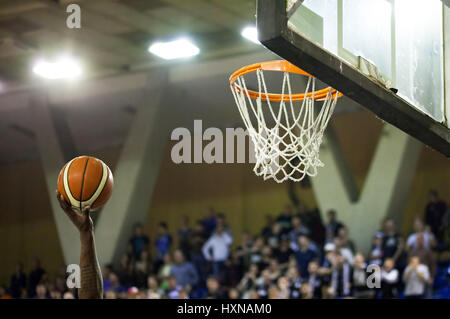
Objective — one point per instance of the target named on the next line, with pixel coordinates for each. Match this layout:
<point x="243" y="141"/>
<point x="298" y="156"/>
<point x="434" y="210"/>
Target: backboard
<point x="387" y="55"/>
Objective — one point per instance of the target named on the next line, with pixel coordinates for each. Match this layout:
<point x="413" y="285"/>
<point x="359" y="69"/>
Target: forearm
<point x="91" y="276"/>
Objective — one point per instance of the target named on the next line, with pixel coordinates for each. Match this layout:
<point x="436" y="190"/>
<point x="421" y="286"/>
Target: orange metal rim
<point x="280" y="66"/>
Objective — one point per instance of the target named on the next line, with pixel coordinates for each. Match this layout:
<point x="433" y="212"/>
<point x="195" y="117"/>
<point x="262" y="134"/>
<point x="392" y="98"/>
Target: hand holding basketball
<point x="82" y="220"/>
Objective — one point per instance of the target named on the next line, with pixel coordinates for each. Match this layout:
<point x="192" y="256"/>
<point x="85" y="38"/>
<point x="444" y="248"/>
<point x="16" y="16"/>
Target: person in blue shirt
<point x="163" y="241"/>
<point x="184" y="271"/>
<point x="304" y="255"/>
<point x="139" y="241"/>
<point x="209" y="222"/>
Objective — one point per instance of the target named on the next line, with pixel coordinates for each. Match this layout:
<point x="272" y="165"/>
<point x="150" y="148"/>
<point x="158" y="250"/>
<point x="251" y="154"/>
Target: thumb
<point x="86" y="211"/>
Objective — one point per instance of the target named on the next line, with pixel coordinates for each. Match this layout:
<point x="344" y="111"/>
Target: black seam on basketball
<point x="68" y="186"/>
<point x="82" y="183"/>
<point x="98" y="185"/>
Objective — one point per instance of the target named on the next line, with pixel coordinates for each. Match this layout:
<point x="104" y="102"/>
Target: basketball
<point x="86" y="180"/>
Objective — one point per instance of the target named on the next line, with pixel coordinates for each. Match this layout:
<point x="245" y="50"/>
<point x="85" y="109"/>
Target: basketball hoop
<point x="287" y="140"/>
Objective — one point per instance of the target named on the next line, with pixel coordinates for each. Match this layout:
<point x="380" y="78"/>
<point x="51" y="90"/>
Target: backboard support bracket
<point x="274" y="34"/>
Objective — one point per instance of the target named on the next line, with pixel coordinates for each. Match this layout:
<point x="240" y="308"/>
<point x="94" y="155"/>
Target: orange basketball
<point x="84" y="181"/>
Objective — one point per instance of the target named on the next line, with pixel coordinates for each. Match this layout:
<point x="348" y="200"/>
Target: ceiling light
<point x="62" y="68"/>
<point x="181" y="48"/>
<point x="250" y="33"/>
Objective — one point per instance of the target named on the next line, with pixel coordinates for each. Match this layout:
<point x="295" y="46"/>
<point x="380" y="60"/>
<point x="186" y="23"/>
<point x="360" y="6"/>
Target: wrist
<point x="86" y="235"/>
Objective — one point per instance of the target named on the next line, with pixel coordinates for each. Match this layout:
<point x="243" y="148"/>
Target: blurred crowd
<point x="296" y="255"/>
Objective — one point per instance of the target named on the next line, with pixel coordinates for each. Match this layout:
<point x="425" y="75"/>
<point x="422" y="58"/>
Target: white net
<point x="287" y="135"/>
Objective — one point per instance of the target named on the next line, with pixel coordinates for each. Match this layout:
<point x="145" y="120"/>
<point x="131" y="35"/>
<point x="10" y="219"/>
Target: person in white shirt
<point x="419" y="227"/>
<point x="415" y="277"/>
<point x="344" y="251"/>
<point x="389" y="279"/>
<point x="216" y="250"/>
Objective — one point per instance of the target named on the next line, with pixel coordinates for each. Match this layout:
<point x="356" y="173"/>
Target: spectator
<point x="263" y="284"/>
<point x="143" y="267"/>
<point x="446" y="227"/>
<point x="139" y="241"/>
<point x="18" y="281"/>
<point x="256" y="250"/>
<point x="266" y="257"/>
<point x="359" y="279"/>
<point x="273" y="292"/>
<point x="213" y="288"/>
<point x="41" y="291"/>
<point x="306" y="291"/>
<point x="126" y="271"/>
<point x="283" y="288"/>
<point x="376" y="254"/>
<point x="401" y="260"/>
<point x="54" y="293"/>
<point x="243" y="250"/>
<point x="173" y="288"/>
<point x="284" y="253"/>
<point x="426" y="257"/>
<point x="184" y="233"/>
<point x="313" y="221"/>
<point x="267" y="230"/>
<point x="233" y="293"/>
<point x="35" y="276"/>
<point x="184" y="271"/>
<point x="391" y="245"/>
<point x="389" y="279"/>
<point x="314" y="280"/>
<point x="328" y="260"/>
<point x="196" y="241"/>
<point x="249" y="280"/>
<point x="276" y="235"/>
<point x="415" y="277"/>
<point x="183" y="294"/>
<point x="69" y="295"/>
<point x="285" y="218"/>
<point x="340" y="278"/>
<point x="419" y="227"/>
<point x="274" y="270"/>
<point x="295" y="281"/>
<point x="163" y="242"/>
<point x="425" y="254"/>
<point x="233" y="271"/>
<point x="165" y="270"/>
<point x="304" y="255"/>
<point x="345" y="240"/>
<point x="344" y="250"/>
<point x="434" y="213"/>
<point x="106" y="271"/>
<point x="332" y="227"/>
<point x="297" y="229"/>
<point x="116" y="284"/>
<point x="221" y="222"/>
<point x="209" y="222"/>
<point x="153" y="291"/>
<point x="60" y="284"/>
<point x="216" y="250"/>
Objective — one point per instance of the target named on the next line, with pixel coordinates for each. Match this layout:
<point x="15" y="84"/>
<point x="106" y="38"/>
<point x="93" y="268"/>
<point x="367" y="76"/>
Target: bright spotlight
<point x="62" y="68"/>
<point x="181" y="48"/>
<point x="251" y="34"/>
